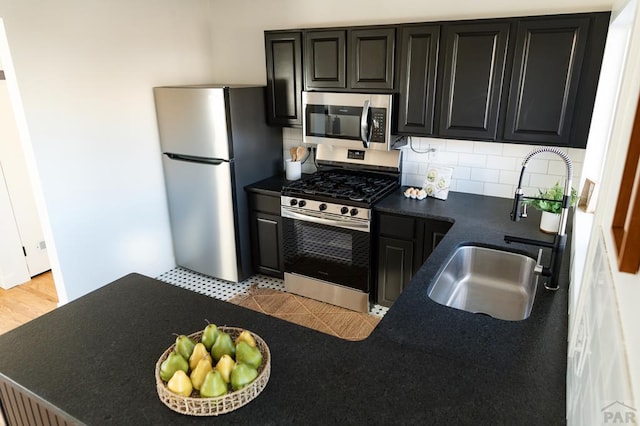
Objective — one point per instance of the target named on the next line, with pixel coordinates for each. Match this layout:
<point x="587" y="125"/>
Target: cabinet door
<point x="473" y="70"/>
<point x="371" y="58"/>
<point x="434" y="231"/>
<point x="418" y="64"/>
<point x="284" y="78"/>
<point x="544" y="83"/>
<point x="325" y="59"/>
<point x="266" y="244"/>
<point x="395" y="259"/>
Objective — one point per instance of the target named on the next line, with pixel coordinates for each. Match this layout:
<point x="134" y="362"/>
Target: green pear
<point x="199" y="352"/>
<point x="213" y="385"/>
<point x="242" y="375"/>
<point x="184" y="346"/>
<point x="201" y="370"/>
<point x="224" y="366"/>
<point x="173" y="363"/>
<point x="248" y="354"/>
<point x="209" y="335"/>
<point x="223" y="345"/>
<point x="247" y="337"/>
<point x="180" y="384"/>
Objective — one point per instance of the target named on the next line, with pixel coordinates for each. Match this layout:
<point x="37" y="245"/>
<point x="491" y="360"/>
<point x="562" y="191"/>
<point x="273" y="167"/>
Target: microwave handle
<point x="365" y="131"/>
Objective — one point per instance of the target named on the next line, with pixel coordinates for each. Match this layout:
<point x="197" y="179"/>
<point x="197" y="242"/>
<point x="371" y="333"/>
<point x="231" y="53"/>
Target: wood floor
<point x="27" y="301"/>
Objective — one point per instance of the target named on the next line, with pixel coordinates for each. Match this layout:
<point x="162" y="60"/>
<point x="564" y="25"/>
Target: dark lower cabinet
<point x="266" y="234"/>
<point x="283" y="51"/>
<point x="546" y="75"/>
<point x="403" y="245"/>
<point x="474" y="63"/>
<point x="395" y="268"/>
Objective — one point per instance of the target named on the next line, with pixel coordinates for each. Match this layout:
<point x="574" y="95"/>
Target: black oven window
<point x="325" y="252"/>
<point x="330" y="244"/>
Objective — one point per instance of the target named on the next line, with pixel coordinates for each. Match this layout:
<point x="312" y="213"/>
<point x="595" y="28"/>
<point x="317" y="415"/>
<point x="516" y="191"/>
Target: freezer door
<point x="193" y="121"/>
<point x="202" y="217"/>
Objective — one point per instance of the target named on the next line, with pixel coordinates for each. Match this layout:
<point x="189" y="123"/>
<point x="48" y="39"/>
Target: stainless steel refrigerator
<point x="214" y="142"/>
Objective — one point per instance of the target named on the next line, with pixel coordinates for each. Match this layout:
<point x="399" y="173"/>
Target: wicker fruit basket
<point x="198" y="406"/>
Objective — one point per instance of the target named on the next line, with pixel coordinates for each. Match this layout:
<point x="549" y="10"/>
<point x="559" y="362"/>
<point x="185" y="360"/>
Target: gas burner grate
<point x="358" y="187"/>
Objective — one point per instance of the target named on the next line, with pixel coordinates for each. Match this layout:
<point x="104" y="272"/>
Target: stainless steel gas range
<point x="327" y="224"/>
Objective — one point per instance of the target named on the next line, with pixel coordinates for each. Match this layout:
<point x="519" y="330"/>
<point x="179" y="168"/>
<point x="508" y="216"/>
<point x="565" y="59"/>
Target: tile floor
<point x="225" y="290"/>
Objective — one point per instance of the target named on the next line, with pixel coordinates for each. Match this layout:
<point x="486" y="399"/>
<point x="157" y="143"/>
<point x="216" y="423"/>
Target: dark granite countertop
<point x="425" y="363"/>
<point x="269" y="186"/>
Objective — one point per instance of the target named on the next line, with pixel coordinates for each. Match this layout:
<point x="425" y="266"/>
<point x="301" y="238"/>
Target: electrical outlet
<point x="432" y="152"/>
<point x="42" y="245"/>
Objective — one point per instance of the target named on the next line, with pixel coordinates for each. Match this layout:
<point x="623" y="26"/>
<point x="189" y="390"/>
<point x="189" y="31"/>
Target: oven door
<point x="328" y="249"/>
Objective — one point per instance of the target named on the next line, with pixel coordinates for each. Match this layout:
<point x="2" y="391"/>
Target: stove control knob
<point x="322" y="206"/>
<point x="344" y="210"/>
<point x="302" y="203"/>
<point x="354" y="212"/>
<point x="293" y="202"/>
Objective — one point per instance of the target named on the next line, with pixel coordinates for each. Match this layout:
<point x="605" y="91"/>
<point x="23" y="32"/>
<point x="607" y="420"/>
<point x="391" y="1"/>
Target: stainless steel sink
<point x="487" y="281"/>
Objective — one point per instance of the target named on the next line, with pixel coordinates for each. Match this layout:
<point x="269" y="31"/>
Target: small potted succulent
<point x="549" y="201"/>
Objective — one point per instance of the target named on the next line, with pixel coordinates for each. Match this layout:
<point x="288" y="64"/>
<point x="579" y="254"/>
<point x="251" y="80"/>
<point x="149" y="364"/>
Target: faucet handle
<point x="538" y="268"/>
<point x="524" y="210"/>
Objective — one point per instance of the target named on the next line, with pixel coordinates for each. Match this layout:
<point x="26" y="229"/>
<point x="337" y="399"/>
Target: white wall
<point x="85" y="71"/>
<point x="604" y="343"/>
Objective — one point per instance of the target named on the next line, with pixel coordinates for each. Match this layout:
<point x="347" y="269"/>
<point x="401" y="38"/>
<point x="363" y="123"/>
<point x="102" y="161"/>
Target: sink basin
<point x="487" y="281"/>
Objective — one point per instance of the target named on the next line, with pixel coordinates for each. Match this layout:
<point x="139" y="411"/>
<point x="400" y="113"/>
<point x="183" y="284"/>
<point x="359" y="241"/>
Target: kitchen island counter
<point x="94" y="358"/>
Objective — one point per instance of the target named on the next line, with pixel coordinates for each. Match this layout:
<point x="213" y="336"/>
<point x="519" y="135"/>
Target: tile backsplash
<point x="598" y="382"/>
<point x="486" y="168"/>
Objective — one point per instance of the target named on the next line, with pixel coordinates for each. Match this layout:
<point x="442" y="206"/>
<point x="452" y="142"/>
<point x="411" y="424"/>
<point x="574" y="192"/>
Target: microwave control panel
<point x="379" y="124"/>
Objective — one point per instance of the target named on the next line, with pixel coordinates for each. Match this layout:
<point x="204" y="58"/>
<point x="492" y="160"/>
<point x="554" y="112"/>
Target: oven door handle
<point x="321" y="219"/>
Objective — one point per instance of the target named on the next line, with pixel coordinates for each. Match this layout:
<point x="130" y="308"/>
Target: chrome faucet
<point x="560" y="239"/>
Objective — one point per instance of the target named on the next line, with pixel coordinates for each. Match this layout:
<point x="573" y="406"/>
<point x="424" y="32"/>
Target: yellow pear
<point x="199" y="352"/>
<point x="180" y="384"/>
<point x="246" y="337"/>
<point x="198" y="374"/>
<point x="224" y="366"/>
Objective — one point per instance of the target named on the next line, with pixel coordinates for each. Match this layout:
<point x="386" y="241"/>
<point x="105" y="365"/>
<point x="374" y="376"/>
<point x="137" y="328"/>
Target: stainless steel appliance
<point x="350" y="120"/>
<point x="214" y="142"/>
<point x="327" y="224"/>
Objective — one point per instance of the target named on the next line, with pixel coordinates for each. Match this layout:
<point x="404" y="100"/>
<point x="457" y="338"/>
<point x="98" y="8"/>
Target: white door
<point x="18" y="196"/>
<point x="13" y="265"/>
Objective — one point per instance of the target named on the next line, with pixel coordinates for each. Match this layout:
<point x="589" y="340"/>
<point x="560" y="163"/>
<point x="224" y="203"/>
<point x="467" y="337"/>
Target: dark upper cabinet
<point x="526" y="80"/>
<point x="325" y="58"/>
<point x="371" y="58"/>
<point x="474" y="62"/>
<point x="418" y="65"/>
<point x="544" y="85"/>
<point x="350" y="59"/>
<point x="284" y="78"/>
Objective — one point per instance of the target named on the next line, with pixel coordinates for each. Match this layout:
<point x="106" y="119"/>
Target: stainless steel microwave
<point x="351" y="120"/>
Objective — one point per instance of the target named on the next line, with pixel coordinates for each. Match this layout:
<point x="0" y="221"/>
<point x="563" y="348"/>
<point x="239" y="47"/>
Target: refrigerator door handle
<point x="194" y="159"/>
